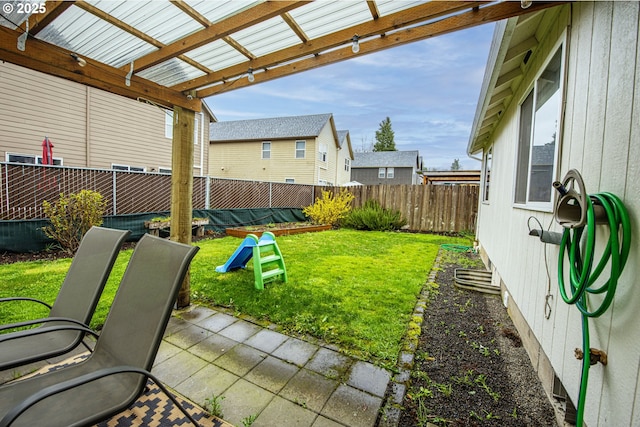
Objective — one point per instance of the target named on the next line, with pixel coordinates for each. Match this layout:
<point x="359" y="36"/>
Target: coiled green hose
<point x="581" y="277"/>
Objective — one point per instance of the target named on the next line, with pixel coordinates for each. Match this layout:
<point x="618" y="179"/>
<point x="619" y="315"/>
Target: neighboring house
<point x="561" y="92"/>
<point x="386" y="167"/>
<point x="459" y="177"/>
<point x="88" y="127"/>
<point x="299" y="150"/>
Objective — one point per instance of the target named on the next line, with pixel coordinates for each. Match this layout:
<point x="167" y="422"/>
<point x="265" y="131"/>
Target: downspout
<point x="87" y="128"/>
<point x="201" y="144"/>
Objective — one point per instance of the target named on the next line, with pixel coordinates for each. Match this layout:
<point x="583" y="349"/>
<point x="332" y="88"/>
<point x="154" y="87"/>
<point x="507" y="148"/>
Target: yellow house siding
<point x="33" y="106"/>
<point x="243" y="160"/>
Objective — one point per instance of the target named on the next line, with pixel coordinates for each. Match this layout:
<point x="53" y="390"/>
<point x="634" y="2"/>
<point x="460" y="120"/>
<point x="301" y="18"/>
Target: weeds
<point x="213" y="405"/>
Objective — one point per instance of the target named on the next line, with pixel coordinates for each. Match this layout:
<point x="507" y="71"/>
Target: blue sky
<point x="429" y="90"/>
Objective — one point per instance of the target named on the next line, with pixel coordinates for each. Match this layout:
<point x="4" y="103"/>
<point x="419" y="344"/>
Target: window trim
<point x="391" y="173"/>
<point x="120" y="167"/>
<point x="382" y="173"/>
<point x="37" y="159"/>
<point x="561" y="44"/>
<point x="289" y="180"/>
<point x="487" y="163"/>
<point x="268" y="156"/>
<point x="347" y="164"/>
<point x="304" y="150"/>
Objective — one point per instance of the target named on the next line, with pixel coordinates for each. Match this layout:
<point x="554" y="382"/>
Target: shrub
<point x="372" y="216"/>
<point x="329" y="209"/>
<point x="72" y="216"/>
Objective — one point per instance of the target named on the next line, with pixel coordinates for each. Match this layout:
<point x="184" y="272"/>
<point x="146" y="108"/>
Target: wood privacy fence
<point x="23" y="188"/>
<point x="436" y="208"/>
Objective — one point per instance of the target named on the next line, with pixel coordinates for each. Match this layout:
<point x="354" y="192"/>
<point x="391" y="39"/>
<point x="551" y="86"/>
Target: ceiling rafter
<point x="38" y="21"/>
<point x="135" y="32"/>
<point x="373" y="8"/>
<point x="237" y="22"/>
<point x="449" y="24"/>
<point x="295" y="27"/>
<point x="416" y="14"/>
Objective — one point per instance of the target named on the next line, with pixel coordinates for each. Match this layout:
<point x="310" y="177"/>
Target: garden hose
<point x="581" y="275"/>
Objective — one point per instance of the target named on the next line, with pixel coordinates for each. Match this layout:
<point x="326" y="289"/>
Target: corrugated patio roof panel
<point x="87" y="35"/>
<point x="218" y="10"/>
<point x="171" y="72"/>
<point x="269" y="128"/>
<point x="266" y="37"/>
<point x="166" y="24"/>
<point x="324" y="17"/>
<point x="217" y="55"/>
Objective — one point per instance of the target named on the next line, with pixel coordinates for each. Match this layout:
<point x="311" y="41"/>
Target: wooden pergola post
<point x="182" y="187"/>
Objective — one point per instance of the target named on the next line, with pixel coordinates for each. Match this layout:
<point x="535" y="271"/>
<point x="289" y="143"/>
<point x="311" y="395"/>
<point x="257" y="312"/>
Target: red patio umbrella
<point x="47" y="151"/>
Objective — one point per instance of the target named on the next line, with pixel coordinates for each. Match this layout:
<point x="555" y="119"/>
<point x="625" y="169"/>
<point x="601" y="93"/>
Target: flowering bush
<point x="330" y="208"/>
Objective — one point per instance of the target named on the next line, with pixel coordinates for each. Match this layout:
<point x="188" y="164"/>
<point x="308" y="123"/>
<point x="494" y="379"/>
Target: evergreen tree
<point x="455" y="166"/>
<point x="384" y="137"/>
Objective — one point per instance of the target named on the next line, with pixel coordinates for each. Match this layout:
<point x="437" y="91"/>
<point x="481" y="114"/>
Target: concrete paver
<point x="260" y="373"/>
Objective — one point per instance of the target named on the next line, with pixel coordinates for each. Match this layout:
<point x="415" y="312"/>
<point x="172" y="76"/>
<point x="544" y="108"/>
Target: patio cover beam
<point x="449" y="24"/>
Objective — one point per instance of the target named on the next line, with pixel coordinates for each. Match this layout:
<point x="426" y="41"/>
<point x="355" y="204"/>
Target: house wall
<point x="326" y="171"/>
<point x="88" y="127"/>
<point x="343" y="176"/>
<point x="243" y="160"/>
<point x="369" y="176"/>
<point x="600" y="138"/>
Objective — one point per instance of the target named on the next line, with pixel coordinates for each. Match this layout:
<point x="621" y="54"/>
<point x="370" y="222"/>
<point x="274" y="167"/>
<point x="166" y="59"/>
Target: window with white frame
<point x="29" y="159"/>
<point x="290" y="180"/>
<point x="266" y="150"/>
<point x="301" y="147"/>
<point x="486" y="170"/>
<point x="164" y="170"/>
<point x="390" y="173"/>
<point x="168" y="124"/>
<point x="381" y="172"/>
<point x="322" y="153"/>
<point x="347" y="164"/>
<point x="537" y="153"/>
<point x="128" y="168"/>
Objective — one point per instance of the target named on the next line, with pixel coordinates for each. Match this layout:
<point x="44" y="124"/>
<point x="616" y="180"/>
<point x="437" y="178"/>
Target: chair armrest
<point x="17" y="410"/>
<point x="37" y="321"/>
<point x="25" y="299"/>
<point x="73" y="326"/>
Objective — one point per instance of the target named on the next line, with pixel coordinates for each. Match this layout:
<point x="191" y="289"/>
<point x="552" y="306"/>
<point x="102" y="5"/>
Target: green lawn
<point x="353" y="288"/>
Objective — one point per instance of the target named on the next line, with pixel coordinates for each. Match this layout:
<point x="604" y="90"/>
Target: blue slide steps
<point x="241" y="256"/>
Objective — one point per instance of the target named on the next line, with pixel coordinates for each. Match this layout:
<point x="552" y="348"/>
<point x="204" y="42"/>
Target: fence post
<point x="115" y="195"/>
<point x="207" y="196"/>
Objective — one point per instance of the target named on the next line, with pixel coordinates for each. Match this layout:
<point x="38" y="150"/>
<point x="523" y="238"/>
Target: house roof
<point x="270" y="128"/>
<point x="514" y="45"/>
<point x="376" y="159"/>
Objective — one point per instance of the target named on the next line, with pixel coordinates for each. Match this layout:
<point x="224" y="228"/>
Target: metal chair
<point x="114" y="375"/>
<point x="75" y="303"/>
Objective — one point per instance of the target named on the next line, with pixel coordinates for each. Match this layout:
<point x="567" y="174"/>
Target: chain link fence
<point x="23" y="188"/>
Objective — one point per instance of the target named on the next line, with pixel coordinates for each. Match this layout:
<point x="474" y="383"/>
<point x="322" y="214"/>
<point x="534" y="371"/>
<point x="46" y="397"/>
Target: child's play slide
<point x="241" y="256"/>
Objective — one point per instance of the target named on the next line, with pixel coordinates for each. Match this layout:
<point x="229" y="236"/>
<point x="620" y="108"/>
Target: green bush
<point x="72" y="216"/>
<point x="372" y="216"/>
<point x="329" y="209"/>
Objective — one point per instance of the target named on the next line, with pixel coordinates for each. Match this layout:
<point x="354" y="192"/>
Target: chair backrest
<point x="88" y="274"/>
<point x="141" y="308"/>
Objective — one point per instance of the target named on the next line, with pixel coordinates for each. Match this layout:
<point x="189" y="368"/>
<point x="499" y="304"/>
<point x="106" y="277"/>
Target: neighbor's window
<point x="29" y="159"/>
<point x="164" y="170"/>
<point x="128" y="168"/>
<point x="538" y="136"/>
<point x="301" y="147"/>
<point x="266" y="150"/>
<point x="168" y="124"/>
<point x="290" y="180"/>
<point x="390" y="173"/>
<point x="322" y="154"/>
<point x="381" y="172"/>
<point x="347" y="164"/>
<point x="486" y="165"/>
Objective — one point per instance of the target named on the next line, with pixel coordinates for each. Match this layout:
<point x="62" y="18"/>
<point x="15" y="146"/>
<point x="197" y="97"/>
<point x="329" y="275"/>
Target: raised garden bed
<point x="280" y="229"/>
<point x="155" y="226"/>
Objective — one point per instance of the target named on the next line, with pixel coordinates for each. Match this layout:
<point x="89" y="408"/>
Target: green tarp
<point x="27" y="236"/>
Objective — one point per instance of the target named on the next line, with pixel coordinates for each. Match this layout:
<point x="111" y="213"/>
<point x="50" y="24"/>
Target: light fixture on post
<point x="79" y="60"/>
<point x="250" y="75"/>
<point x="355" y="44"/>
<point x="525" y="4"/>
